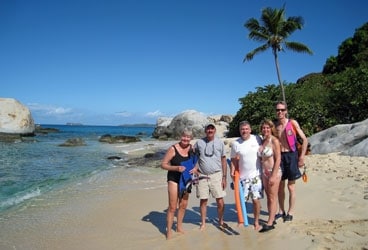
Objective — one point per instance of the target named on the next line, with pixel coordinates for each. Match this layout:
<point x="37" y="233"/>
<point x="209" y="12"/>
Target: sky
<point x="110" y="62"/>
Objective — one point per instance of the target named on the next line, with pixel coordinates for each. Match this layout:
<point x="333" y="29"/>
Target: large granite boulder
<point x="172" y="127"/>
<point x="349" y="139"/>
<point x="15" y="118"/>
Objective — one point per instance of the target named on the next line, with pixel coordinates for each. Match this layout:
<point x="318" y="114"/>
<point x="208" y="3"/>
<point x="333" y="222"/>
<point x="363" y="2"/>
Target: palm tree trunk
<point x="278" y="75"/>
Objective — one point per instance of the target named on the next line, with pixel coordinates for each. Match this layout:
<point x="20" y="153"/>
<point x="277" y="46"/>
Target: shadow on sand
<point x="192" y="216"/>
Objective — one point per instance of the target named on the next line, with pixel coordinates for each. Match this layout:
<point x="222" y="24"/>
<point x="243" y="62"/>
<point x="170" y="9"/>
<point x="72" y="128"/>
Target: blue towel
<point x="185" y="184"/>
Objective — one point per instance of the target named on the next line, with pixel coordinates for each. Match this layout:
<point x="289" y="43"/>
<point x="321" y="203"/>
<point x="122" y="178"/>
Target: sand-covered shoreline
<point x="331" y="213"/>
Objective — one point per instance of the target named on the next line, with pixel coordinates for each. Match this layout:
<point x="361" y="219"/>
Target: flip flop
<point x="288" y="217"/>
<point x="266" y="228"/>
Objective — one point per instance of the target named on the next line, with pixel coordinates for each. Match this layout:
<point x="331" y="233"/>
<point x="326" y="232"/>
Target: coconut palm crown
<point x="273" y="30"/>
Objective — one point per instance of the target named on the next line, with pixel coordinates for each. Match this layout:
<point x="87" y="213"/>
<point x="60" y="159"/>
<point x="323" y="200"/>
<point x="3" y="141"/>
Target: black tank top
<point x="176" y="161"/>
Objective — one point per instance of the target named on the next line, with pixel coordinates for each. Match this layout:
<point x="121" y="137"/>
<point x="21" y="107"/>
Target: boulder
<point x="15" y="118"/>
<point x="73" y="142"/>
<point x="348" y="139"/>
<point x="118" y="139"/>
<point x="172" y="127"/>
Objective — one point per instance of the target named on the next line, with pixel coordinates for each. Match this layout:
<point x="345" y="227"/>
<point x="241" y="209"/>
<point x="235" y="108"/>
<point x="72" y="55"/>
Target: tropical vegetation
<point x="336" y="95"/>
<point x="273" y="30"/>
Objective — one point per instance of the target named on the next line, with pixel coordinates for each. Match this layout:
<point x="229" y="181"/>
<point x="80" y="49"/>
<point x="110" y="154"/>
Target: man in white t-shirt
<point x="244" y="156"/>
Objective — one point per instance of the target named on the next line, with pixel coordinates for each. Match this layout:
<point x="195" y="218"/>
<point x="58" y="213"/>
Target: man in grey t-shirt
<point x="211" y="168"/>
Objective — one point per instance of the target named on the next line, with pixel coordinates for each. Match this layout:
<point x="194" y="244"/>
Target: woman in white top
<point x="270" y="154"/>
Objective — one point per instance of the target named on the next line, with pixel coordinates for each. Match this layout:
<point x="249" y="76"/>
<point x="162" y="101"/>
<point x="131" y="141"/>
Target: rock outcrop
<point x="15" y="119"/>
<point x="118" y="139"/>
<point x="171" y="128"/>
<point x="73" y="142"/>
<point x="348" y="139"/>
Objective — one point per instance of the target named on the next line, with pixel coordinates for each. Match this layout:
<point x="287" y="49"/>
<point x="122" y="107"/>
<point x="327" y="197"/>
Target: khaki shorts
<point x="210" y="184"/>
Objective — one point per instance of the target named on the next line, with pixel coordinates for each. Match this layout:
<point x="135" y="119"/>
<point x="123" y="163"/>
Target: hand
<point x="232" y="171"/>
<point x="223" y="183"/>
<point x="271" y="181"/>
<point x="194" y="171"/>
<point x="181" y="169"/>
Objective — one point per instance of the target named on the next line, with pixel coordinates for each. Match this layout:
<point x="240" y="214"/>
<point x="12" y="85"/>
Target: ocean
<point x="37" y="166"/>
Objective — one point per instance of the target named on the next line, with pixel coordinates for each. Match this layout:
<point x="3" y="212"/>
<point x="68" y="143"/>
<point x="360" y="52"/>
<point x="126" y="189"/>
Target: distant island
<point x="74" y="124"/>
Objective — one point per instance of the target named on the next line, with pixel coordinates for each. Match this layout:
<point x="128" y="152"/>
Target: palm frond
<point x="292" y="24"/>
<point x="258" y="50"/>
<point x="252" y="24"/>
<point x="258" y="36"/>
<point x="298" y="47"/>
<point x="272" y="18"/>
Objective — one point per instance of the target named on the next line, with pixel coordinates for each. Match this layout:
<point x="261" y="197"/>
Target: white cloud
<point x="123" y="114"/>
<point x="156" y="113"/>
<point x="48" y="109"/>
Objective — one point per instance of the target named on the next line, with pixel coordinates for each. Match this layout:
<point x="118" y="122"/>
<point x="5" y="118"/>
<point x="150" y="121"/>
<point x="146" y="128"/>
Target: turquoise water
<point x="38" y="165"/>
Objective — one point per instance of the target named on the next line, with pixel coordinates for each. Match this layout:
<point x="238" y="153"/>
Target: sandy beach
<point x="331" y="213"/>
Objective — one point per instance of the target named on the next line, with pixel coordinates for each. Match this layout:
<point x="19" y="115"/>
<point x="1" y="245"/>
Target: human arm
<point x="304" y="145"/>
<point x="224" y="171"/>
<point x="234" y="160"/>
<point x="277" y="159"/>
<point x="234" y="166"/>
<point x="165" y="163"/>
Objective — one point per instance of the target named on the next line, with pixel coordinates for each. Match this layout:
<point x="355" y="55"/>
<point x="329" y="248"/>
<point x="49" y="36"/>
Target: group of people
<point x="264" y="163"/>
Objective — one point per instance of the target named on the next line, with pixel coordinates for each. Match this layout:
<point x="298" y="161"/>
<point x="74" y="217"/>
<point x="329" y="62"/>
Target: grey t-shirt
<point x="210" y="154"/>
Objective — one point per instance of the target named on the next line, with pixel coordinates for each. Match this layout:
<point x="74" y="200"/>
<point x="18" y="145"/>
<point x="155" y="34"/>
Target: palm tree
<point x="273" y="32"/>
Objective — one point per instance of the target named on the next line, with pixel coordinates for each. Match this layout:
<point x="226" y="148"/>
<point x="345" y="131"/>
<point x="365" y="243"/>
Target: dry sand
<point x="331" y="213"/>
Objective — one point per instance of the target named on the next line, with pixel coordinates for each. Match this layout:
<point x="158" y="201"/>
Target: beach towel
<point x="185" y="183"/>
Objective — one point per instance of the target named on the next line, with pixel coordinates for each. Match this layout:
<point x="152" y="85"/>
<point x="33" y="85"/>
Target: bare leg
<point x="172" y="190"/>
<point x="272" y="192"/>
<point x="203" y="207"/>
<point x="183" y="203"/>
<point x="266" y="187"/>
<point x="281" y="195"/>
<point x="292" y="197"/>
<point x="257" y="211"/>
<point x="220" y="210"/>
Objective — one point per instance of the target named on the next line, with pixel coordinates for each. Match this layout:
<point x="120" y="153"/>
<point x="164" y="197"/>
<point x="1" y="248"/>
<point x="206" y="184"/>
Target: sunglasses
<point x="280" y="110"/>
<point x="208" y="151"/>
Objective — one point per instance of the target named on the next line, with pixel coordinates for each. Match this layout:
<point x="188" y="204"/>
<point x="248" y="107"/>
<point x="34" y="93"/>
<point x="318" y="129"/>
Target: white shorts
<point x="253" y="188"/>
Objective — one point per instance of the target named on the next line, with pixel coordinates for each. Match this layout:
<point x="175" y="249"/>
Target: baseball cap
<point x="210" y="124"/>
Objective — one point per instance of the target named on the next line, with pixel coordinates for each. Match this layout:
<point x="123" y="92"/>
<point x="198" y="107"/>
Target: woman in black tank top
<point x="176" y="154"/>
<point x="175" y="161"/>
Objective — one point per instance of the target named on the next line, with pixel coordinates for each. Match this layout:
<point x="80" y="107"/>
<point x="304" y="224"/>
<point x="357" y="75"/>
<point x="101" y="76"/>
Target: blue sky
<point x="110" y="62"/>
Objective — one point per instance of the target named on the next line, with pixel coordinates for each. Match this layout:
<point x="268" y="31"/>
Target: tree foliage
<point x="318" y="101"/>
<point x="273" y="30"/>
<point x="352" y="53"/>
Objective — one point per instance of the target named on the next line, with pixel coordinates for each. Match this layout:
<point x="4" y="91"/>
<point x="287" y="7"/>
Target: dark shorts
<point x="173" y="176"/>
<point x="289" y="166"/>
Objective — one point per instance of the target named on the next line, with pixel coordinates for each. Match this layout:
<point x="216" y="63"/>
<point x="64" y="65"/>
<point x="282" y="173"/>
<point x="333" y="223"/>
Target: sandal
<point x="288" y="217"/>
<point x="266" y="228"/>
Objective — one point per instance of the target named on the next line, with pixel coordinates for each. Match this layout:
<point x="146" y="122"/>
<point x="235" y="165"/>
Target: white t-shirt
<point x="247" y="150"/>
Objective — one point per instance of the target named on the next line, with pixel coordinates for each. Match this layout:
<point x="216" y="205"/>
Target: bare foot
<point x="168" y="235"/>
<point x="180" y="231"/>
<point x="202" y="227"/>
<point x="257" y="227"/>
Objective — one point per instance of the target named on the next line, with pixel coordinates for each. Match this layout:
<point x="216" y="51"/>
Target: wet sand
<point x="111" y="211"/>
